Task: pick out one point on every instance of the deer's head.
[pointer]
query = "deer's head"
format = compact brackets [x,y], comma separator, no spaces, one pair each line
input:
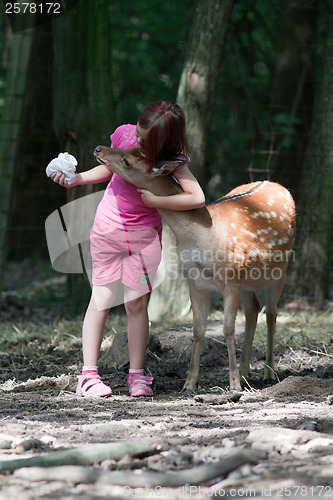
[130,164]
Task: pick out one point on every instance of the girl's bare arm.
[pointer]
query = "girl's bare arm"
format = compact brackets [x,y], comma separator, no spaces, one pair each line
[191,197]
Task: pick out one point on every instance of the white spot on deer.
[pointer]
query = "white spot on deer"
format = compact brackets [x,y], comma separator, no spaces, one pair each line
[282,241]
[234,239]
[254,253]
[273,214]
[246,231]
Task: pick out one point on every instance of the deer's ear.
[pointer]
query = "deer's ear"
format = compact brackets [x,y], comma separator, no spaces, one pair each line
[166,168]
[169,164]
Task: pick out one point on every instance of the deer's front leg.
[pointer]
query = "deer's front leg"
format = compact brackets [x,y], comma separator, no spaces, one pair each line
[200,300]
[231,303]
[272,296]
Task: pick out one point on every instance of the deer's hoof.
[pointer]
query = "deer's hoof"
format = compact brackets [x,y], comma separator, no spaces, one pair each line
[188,391]
[269,377]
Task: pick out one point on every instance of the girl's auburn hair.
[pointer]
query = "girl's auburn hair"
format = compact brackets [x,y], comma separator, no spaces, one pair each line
[166,127]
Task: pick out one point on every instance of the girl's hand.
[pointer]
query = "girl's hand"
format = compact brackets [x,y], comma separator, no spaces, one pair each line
[148,198]
[60,178]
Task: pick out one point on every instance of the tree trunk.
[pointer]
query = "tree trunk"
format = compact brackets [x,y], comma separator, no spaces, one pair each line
[197,88]
[292,101]
[171,299]
[315,209]
[82,96]
[10,128]
[34,196]
[83,102]
[196,94]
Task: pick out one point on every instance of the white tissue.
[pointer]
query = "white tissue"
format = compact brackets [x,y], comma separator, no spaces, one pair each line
[64,163]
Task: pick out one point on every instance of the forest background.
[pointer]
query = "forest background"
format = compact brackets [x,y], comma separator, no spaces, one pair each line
[255,81]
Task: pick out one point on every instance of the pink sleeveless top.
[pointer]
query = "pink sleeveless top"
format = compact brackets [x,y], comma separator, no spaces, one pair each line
[122,205]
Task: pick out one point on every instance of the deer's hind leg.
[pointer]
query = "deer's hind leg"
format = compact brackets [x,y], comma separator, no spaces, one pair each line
[251,308]
[273,293]
[200,300]
[231,303]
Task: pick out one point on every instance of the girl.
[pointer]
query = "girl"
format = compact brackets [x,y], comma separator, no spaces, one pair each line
[123,211]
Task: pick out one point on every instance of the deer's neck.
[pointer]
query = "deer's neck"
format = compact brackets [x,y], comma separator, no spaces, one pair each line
[183,223]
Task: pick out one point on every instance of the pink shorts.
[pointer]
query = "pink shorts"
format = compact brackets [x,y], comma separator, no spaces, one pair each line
[131,254]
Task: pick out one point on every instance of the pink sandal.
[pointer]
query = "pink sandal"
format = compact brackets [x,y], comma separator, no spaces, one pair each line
[138,384]
[92,387]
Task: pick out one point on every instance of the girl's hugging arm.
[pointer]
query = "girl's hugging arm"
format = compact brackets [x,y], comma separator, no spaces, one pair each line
[191,197]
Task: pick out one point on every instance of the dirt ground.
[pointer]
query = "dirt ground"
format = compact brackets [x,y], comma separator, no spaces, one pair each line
[269,441]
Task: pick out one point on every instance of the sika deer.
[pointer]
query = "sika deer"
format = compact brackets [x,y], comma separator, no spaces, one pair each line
[236,245]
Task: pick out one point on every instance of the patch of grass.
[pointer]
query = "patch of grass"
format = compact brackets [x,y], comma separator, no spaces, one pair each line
[60,334]
[28,349]
[34,281]
[51,292]
[308,329]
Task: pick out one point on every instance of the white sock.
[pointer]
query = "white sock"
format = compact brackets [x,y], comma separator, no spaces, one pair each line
[136,371]
[90,369]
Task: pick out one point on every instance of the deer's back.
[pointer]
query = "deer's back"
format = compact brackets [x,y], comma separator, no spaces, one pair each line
[253,229]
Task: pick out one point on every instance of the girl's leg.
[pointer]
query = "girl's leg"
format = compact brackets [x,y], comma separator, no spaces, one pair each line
[138,333]
[138,327]
[98,309]
[89,383]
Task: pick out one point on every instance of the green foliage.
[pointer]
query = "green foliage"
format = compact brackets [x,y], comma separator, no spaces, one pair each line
[286,126]
[241,123]
[148,44]
[2,91]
